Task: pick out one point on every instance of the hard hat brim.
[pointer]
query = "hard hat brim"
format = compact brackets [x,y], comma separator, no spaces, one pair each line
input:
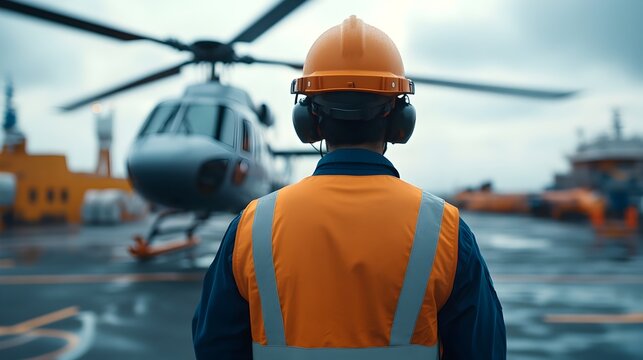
[372,82]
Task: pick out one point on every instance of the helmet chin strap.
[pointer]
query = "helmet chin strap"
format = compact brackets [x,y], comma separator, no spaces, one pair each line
[321,147]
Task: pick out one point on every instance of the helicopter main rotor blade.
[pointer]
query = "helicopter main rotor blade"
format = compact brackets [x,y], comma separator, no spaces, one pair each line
[495,89]
[81,24]
[253,60]
[269,19]
[174,70]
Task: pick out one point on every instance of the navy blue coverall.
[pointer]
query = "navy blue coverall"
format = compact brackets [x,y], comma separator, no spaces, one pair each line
[470,324]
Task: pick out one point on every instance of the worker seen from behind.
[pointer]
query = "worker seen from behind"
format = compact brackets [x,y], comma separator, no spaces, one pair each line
[351,262]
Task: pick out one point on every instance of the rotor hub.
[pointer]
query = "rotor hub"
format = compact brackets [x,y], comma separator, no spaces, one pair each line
[212,51]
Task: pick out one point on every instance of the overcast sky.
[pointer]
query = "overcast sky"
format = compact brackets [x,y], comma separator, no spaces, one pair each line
[461,138]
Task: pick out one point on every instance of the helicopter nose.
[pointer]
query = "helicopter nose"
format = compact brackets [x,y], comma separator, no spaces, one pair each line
[211,175]
[178,172]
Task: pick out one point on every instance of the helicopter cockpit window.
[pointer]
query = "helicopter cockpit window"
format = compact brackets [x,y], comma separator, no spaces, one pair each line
[159,119]
[217,122]
[200,119]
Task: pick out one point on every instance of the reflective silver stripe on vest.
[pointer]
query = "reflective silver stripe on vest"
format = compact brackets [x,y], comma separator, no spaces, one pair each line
[418,269]
[405,352]
[265,269]
[416,279]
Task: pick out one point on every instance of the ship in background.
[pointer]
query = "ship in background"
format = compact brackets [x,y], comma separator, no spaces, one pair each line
[608,164]
[605,182]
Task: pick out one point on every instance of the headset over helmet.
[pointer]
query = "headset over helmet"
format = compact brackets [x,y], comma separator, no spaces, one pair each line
[361,62]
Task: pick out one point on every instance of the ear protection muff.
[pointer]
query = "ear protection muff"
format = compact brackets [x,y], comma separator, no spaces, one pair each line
[401,121]
[305,122]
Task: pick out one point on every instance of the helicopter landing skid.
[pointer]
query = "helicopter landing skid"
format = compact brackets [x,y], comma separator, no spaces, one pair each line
[143,249]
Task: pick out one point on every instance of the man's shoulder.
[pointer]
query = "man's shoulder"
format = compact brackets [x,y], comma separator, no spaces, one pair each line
[450,210]
[467,245]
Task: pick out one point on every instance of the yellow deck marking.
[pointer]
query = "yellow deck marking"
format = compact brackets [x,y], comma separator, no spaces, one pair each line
[71,339]
[569,278]
[633,318]
[7,263]
[30,330]
[99,278]
[16,341]
[39,321]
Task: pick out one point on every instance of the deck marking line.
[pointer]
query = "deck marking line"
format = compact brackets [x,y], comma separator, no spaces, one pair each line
[39,321]
[85,337]
[632,318]
[71,340]
[100,278]
[75,345]
[7,263]
[17,341]
[569,278]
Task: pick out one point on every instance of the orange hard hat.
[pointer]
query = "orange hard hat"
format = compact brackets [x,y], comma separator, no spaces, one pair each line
[353,56]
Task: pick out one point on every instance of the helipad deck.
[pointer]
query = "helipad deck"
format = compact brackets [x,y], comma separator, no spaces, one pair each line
[74,293]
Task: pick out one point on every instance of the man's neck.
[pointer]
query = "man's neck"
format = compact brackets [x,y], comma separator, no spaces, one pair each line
[375,147]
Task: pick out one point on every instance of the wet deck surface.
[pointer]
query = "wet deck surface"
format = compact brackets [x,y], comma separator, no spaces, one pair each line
[75,292]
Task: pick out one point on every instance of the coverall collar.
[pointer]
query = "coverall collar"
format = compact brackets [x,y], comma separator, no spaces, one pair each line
[355,162]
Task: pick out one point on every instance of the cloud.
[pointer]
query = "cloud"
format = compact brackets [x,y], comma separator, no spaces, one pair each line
[587,30]
[539,38]
[27,54]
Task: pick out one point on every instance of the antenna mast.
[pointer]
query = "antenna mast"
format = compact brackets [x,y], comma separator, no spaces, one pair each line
[10,118]
[104,125]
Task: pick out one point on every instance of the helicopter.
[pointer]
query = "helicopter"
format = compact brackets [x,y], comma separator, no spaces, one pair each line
[205,152]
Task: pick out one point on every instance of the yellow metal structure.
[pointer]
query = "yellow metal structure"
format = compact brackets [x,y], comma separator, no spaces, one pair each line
[46,189]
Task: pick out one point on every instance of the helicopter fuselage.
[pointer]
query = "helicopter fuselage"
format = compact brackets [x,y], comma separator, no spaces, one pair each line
[203,152]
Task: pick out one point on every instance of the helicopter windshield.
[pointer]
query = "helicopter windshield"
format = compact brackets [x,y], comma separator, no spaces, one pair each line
[159,119]
[217,122]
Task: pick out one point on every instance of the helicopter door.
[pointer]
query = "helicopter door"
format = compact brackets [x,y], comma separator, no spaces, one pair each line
[226,127]
[246,137]
[249,169]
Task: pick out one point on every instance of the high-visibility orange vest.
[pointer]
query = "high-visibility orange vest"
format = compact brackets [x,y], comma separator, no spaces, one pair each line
[346,267]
